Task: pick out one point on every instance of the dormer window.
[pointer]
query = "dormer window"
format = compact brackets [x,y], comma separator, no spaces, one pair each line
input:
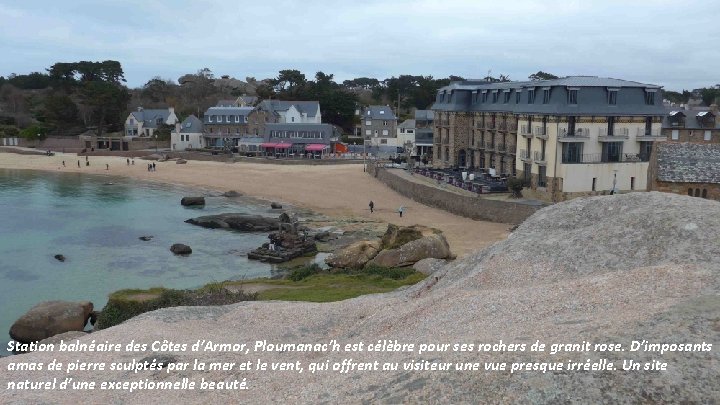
[650,96]
[188,125]
[572,96]
[484,96]
[546,96]
[531,96]
[612,96]
[517,96]
[507,97]
[495,96]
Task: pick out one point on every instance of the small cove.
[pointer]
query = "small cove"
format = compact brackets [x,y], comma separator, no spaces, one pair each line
[96,226]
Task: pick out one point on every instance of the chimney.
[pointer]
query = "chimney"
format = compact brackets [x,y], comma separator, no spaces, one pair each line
[140,108]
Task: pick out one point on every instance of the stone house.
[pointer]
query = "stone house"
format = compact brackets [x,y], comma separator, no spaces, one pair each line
[379,125]
[686,168]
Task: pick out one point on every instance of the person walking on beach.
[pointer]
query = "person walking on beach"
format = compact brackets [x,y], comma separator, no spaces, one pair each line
[133,162]
[107,166]
[78,164]
[400,210]
[63,163]
[372,206]
[128,161]
[153,164]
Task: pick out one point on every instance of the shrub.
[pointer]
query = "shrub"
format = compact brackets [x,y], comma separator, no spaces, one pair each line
[303,272]
[395,273]
[516,185]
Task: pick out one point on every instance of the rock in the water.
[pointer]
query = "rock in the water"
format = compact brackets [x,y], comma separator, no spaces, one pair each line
[59,257]
[287,246]
[232,193]
[181,249]
[50,318]
[189,201]
[431,246]
[238,222]
[146,238]
[275,206]
[429,266]
[181,161]
[354,256]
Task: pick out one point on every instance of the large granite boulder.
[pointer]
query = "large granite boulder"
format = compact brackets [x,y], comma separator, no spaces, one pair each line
[283,247]
[396,236]
[232,193]
[429,266]
[50,318]
[190,201]
[181,249]
[238,222]
[431,246]
[354,256]
[275,205]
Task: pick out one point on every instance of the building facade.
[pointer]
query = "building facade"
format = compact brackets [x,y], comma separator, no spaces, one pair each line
[566,137]
[686,168]
[699,125]
[225,125]
[144,122]
[379,125]
[187,135]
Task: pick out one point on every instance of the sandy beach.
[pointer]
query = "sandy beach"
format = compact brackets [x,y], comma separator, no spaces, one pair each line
[334,190]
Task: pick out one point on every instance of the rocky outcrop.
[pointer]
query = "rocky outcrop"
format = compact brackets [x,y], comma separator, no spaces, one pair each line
[59,257]
[50,318]
[237,222]
[432,246]
[181,162]
[146,238]
[396,236]
[191,201]
[354,256]
[231,193]
[283,246]
[275,205]
[429,266]
[181,249]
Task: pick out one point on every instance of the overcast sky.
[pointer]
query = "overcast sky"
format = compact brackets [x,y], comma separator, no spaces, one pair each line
[670,43]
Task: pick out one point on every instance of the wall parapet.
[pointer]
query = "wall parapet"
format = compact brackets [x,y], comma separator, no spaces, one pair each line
[477,208]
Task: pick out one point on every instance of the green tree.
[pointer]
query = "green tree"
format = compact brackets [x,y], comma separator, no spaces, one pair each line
[60,110]
[710,95]
[107,103]
[540,75]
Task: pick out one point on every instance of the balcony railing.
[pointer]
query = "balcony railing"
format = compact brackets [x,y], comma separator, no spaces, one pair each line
[578,133]
[539,131]
[599,158]
[617,132]
[645,132]
[538,156]
[524,154]
[525,130]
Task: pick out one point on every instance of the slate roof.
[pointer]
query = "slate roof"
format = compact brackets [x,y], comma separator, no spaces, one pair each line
[424,115]
[149,117]
[688,162]
[229,111]
[191,125]
[379,112]
[691,119]
[407,124]
[311,108]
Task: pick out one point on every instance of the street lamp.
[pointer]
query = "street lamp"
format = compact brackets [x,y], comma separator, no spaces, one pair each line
[156,147]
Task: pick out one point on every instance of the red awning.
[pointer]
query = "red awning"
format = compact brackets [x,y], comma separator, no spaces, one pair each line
[283,145]
[268,145]
[313,147]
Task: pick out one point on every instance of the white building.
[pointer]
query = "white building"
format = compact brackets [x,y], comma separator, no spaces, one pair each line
[187,135]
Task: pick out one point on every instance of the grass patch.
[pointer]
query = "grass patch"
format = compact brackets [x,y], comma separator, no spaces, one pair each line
[334,287]
[125,304]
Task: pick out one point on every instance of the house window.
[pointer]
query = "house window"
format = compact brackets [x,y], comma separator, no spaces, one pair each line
[611,126]
[292,119]
[383,141]
[612,97]
[507,97]
[385,123]
[704,193]
[368,122]
[385,132]
[484,97]
[210,118]
[246,119]
[132,121]
[376,132]
[707,136]
[650,97]
[368,132]
[572,96]
[690,192]
[675,135]
[546,96]
[612,151]
[542,180]
[517,97]
[531,96]
[495,97]
[237,118]
[632,183]
[594,183]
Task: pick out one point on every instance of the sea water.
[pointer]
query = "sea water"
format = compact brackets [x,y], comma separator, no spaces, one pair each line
[96,226]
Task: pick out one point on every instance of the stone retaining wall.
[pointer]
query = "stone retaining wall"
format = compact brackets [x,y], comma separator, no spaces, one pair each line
[508,212]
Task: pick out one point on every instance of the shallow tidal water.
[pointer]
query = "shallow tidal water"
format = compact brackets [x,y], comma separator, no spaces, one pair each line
[96,226]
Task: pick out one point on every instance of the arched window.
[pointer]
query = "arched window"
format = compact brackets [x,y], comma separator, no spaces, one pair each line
[704,193]
[697,192]
[690,192]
